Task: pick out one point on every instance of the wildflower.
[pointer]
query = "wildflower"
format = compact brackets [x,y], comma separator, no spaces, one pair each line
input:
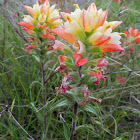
[27,25]
[79,47]
[132,35]
[101,62]
[78,60]
[28,47]
[62,47]
[131,49]
[64,86]
[67,11]
[66,36]
[49,48]
[62,59]
[29,31]
[121,80]
[98,76]
[102,75]
[69,78]
[89,33]
[91,28]
[86,96]
[49,36]
[31,39]
[42,18]
[62,65]
[59,45]
[128,41]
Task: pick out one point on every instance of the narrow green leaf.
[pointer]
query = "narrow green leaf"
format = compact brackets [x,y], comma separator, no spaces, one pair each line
[65,127]
[73,116]
[88,128]
[36,58]
[120,138]
[35,82]
[69,97]
[89,108]
[48,105]
[36,112]
[60,103]
[12,105]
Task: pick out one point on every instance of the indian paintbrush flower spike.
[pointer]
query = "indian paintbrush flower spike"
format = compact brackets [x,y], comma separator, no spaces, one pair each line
[132,35]
[89,33]
[91,28]
[42,18]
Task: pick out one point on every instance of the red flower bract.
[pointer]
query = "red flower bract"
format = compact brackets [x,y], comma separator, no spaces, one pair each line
[78,60]
[98,76]
[120,79]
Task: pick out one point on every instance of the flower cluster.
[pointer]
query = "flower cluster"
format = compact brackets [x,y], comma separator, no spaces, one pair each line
[42,18]
[133,35]
[91,29]
[90,35]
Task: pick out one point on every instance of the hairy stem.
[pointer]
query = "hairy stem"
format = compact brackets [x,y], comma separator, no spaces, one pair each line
[44,94]
[75,107]
[44,87]
[80,75]
[73,122]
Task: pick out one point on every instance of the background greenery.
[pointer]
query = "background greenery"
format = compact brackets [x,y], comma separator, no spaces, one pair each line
[21,99]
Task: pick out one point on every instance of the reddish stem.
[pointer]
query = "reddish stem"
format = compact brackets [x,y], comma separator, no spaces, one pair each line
[74,122]
[44,94]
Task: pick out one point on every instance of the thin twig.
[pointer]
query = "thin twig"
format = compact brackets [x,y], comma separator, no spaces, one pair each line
[130,10]
[124,66]
[20,125]
[120,7]
[131,70]
[121,64]
[120,71]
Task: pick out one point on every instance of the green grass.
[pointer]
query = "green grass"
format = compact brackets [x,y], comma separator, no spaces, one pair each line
[20,81]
